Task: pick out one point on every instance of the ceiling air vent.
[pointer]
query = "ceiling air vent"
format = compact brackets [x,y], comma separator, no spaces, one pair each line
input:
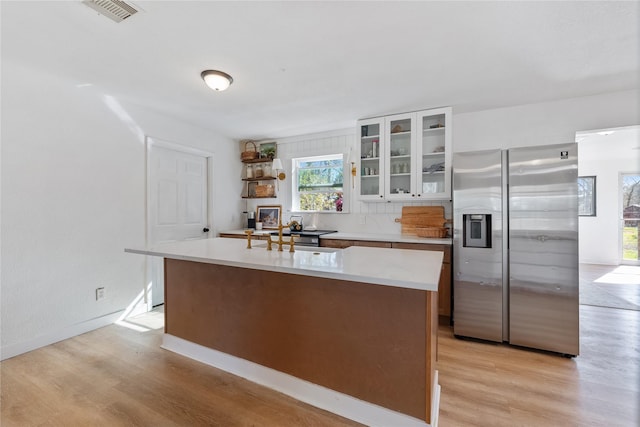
[115,10]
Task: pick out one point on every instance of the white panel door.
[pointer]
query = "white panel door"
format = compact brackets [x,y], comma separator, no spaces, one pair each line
[177,204]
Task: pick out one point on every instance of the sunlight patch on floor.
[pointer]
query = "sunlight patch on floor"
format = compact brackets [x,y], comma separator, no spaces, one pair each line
[136,316]
[144,322]
[623,275]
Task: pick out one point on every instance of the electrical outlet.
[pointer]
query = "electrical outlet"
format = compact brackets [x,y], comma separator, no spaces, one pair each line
[100,294]
[362,219]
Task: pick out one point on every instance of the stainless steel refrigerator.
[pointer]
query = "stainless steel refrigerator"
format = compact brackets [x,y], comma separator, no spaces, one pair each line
[515,218]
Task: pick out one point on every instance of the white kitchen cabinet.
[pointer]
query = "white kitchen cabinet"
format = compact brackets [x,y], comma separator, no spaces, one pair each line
[370,169]
[399,157]
[433,154]
[413,157]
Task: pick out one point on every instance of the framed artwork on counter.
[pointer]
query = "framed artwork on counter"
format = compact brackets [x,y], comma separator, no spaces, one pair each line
[269,216]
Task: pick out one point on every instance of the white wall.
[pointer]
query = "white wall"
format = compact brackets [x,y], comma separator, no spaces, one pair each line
[73,191]
[606,157]
[599,234]
[525,125]
[545,123]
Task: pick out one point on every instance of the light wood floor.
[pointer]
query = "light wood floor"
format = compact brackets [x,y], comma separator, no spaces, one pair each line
[116,376]
[498,385]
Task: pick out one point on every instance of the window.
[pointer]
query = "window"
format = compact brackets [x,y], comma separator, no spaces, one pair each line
[318,183]
[587,196]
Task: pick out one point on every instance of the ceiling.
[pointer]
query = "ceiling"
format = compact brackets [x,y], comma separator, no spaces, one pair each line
[302,67]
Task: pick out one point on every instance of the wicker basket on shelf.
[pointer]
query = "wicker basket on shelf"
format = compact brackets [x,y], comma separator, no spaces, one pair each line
[265,190]
[250,152]
[437,232]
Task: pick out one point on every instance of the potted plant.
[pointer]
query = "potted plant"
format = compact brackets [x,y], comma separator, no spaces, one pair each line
[268,150]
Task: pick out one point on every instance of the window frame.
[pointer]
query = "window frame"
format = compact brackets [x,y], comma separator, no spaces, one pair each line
[590,183]
[295,194]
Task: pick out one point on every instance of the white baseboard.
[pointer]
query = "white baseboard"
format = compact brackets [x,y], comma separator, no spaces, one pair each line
[610,261]
[313,394]
[16,349]
[435,402]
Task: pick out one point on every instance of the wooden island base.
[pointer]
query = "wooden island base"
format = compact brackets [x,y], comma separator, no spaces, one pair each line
[364,351]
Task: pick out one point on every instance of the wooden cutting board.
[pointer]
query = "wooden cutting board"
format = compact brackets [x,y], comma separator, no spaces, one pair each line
[421,216]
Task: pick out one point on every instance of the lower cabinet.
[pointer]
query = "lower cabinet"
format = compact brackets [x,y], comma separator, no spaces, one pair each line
[444,287]
[341,244]
[372,244]
[336,243]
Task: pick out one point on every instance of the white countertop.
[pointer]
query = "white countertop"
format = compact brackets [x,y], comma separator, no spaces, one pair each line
[373,237]
[402,268]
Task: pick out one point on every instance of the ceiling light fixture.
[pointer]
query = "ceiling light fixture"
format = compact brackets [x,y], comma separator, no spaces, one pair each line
[216,80]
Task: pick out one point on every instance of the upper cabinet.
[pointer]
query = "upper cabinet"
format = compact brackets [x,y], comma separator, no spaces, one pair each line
[371,167]
[400,157]
[406,156]
[433,155]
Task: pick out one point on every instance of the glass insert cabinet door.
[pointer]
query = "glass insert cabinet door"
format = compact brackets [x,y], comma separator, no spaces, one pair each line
[371,167]
[400,155]
[431,162]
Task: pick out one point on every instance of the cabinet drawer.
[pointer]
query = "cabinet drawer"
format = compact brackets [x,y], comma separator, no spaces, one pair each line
[372,244]
[335,243]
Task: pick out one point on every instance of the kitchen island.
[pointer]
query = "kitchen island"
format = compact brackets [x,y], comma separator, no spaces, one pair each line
[352,331]
[385,240]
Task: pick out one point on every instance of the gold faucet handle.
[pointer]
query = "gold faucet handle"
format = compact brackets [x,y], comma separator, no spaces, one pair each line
[248,233]
[291,240]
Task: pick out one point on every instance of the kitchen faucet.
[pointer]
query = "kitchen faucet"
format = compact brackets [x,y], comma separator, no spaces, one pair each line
[281,242]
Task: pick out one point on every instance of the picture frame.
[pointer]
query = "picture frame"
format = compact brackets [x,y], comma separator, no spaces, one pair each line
[586,196]
[269,216]
[268,150]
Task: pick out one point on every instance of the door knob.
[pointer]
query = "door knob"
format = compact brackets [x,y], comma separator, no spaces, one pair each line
[205,230]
